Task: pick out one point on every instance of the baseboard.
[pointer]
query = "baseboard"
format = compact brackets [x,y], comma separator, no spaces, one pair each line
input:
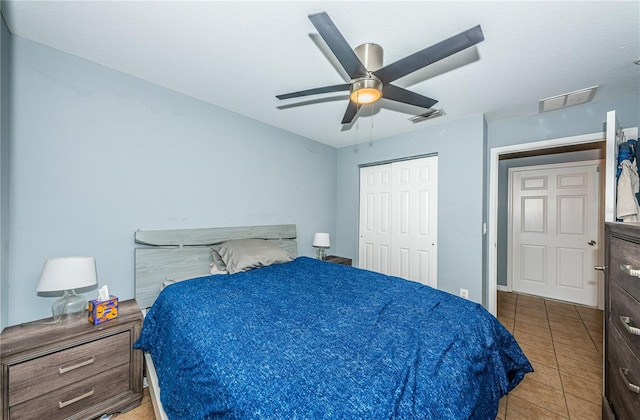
[501,288]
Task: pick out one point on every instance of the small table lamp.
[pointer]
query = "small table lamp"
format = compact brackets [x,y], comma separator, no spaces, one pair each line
[68,273]
[321,241]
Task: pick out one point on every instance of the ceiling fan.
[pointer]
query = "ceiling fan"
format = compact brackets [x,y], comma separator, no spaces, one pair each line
[369,80]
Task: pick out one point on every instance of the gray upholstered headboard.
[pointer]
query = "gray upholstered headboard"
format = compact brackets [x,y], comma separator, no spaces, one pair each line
[185,253]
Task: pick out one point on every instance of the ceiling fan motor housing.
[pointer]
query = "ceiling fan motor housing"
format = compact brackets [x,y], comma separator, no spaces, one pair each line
[370,55]
[367,89]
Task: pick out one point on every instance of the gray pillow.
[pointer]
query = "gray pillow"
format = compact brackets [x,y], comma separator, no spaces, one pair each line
[245,254]
[217,260]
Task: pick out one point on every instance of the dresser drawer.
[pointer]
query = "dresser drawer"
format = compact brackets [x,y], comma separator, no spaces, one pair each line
[607,414]
[623,377]
[72,399]
[625,316]
[44,374]
[625,254]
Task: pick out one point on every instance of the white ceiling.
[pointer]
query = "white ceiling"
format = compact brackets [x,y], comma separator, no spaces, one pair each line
[238,55]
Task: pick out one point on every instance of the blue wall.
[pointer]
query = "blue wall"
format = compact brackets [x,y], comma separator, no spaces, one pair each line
[459,146]
[97,154]
[463,179]
[574,121]
[4,171]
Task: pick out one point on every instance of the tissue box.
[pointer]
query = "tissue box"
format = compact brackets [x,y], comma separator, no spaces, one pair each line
[101,311]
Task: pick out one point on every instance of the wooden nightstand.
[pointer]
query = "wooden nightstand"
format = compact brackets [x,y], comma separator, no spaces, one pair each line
[338,260]
[72,370]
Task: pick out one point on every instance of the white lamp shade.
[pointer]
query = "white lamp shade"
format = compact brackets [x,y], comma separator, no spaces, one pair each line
[321,239]
[67,273]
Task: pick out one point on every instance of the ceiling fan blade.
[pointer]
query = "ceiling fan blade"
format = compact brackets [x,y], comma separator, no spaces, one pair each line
[315,91]
[352,110]
[430,55]
[399,94]
[338,45]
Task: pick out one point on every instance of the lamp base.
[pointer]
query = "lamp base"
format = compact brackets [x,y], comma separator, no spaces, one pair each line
[321,254]
[70,304]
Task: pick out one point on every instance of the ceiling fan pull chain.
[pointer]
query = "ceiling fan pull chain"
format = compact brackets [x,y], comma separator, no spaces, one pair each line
[372,117]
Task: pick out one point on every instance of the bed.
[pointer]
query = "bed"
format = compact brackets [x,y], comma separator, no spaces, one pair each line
[303,338]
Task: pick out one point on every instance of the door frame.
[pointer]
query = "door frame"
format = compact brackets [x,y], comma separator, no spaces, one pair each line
[496,152]
[600,163]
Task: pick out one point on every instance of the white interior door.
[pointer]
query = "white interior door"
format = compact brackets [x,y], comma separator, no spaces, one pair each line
[398,219]
[554,230]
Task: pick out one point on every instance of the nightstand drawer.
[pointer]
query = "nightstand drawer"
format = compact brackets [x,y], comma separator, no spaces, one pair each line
[64,402]
[44,374]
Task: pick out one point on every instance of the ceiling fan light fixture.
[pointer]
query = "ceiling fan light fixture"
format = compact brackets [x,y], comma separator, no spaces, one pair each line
[366,91]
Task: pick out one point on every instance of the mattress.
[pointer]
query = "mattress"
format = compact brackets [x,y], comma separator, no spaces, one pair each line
[311,339]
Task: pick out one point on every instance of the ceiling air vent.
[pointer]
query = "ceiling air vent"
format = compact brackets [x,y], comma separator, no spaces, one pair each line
[434,113]
[565,100]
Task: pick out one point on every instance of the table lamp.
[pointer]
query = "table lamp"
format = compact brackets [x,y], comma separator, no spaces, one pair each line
[68,274]
[321,241]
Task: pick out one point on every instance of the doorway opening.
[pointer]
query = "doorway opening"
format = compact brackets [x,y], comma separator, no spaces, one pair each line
[576,146]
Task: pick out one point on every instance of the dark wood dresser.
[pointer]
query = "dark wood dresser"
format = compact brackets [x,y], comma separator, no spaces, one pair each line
[73,369]
[622,322]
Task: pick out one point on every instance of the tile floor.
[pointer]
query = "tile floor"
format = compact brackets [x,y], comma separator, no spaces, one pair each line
[564,344]
[143,412]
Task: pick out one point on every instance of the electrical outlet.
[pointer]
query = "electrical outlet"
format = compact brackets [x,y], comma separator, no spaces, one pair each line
[464,293]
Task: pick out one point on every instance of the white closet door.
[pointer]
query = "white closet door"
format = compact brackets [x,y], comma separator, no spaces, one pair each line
[398,219]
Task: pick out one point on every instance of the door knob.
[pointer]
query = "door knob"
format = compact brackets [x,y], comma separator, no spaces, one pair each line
[592,242]
[599,267]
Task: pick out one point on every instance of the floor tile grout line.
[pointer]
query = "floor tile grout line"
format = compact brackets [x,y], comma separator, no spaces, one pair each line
[558,369]
[555,354]
[589,333]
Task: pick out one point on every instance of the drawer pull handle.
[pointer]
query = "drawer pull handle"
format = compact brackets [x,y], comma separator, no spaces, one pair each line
[63,404]
[79,365]
[630,386]
[630,271]
[631,330]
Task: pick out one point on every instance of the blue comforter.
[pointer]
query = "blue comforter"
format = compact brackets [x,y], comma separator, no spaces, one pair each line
[310,339]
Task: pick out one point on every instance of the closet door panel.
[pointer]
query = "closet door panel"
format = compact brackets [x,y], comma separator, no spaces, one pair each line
[375,218]
[398,219]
